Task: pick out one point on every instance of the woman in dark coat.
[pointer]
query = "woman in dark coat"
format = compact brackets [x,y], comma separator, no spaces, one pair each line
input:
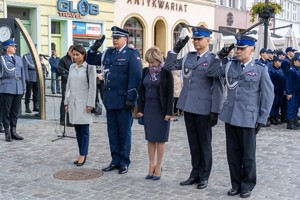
[155,106]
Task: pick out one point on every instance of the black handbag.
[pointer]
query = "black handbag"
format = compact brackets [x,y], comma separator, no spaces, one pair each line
[97,110]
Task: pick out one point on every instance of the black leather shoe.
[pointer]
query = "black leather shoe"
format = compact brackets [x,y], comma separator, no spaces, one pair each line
[245,194]
[233,191]
[189,181]
[110,168]
[15,136]
[202,184]
[123,170]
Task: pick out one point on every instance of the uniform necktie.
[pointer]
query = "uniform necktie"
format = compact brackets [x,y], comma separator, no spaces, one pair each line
[13,59]
[243,66]
[198,57]
[117,52]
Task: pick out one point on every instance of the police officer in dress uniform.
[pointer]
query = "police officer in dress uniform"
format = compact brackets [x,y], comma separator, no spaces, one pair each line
[247,106]
[200,99]
[293,92]
[31,83]
[285,66]
[278,79]
[123,68]
[12,87]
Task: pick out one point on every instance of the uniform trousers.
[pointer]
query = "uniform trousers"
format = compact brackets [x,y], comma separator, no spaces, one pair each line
[119,123]
[34,88]
[276,105]
[292,107]
[241,151]
[83,138]
[199,135]
[10,109]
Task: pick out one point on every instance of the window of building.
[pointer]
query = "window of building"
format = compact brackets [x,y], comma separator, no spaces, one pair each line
[176,32]
[282,14]
[288,11]
[295,12]
[221,2]
[21,13]
[231,3]
[135,29]
[55,27]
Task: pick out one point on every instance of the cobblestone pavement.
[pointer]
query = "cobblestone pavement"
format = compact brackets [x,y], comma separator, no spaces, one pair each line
[27,167]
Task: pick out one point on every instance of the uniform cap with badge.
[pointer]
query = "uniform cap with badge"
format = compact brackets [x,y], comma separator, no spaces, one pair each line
[10,42]
[243,41]
[280,53]
[200,32]
[263,50]
[290,49]
[296,56]
[119,32]
[276,58]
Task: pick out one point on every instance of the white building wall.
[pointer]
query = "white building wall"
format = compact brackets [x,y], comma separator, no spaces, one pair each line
[196,13]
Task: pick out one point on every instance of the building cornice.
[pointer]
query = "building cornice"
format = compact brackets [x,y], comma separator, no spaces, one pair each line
[201,2]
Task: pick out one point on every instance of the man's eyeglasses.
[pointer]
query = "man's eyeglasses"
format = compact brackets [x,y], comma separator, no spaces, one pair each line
[116,37]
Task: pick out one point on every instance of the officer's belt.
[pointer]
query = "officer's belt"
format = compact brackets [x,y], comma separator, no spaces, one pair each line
[31,69]
[17,78]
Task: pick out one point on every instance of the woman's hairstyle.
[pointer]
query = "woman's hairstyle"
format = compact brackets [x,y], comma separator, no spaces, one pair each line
[154,54]
[81,50]
[71,47]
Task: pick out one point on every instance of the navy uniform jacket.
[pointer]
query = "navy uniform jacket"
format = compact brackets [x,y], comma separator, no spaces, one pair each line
[293,81]
[123,76]
[286,64]
[250,101]
[278,79]
[200,94]
[29,68]
[12,75]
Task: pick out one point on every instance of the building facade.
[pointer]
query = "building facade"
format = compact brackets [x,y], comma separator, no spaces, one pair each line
[232,15]
[56,24]
[159,23]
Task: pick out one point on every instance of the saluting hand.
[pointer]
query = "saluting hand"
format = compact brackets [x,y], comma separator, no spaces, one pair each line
[225,51]
[180,44]
[98,43]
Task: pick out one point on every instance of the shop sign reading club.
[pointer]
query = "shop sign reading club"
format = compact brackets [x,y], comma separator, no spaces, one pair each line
[66,9]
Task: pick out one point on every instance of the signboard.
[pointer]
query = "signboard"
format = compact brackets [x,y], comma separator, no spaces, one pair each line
[83,29]
[69,9]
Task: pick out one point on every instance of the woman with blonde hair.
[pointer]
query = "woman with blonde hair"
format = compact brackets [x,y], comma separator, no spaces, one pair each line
[155,105]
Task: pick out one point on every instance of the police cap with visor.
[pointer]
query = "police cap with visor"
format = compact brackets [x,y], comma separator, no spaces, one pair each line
[200,32]
[119,32]
[10,42]
[243,41]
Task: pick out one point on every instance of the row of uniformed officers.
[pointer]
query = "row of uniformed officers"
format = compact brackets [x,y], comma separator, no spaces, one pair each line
[284,70]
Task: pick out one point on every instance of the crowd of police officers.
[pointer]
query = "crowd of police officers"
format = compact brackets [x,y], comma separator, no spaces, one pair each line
[252,86]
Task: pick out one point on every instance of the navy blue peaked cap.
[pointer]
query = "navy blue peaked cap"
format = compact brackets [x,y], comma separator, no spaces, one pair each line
[119,32]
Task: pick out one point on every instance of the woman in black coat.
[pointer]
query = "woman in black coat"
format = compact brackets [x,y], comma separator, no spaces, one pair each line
[155,106]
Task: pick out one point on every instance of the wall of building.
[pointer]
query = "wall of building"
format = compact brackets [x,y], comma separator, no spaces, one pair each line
[166,16]
[43,12]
